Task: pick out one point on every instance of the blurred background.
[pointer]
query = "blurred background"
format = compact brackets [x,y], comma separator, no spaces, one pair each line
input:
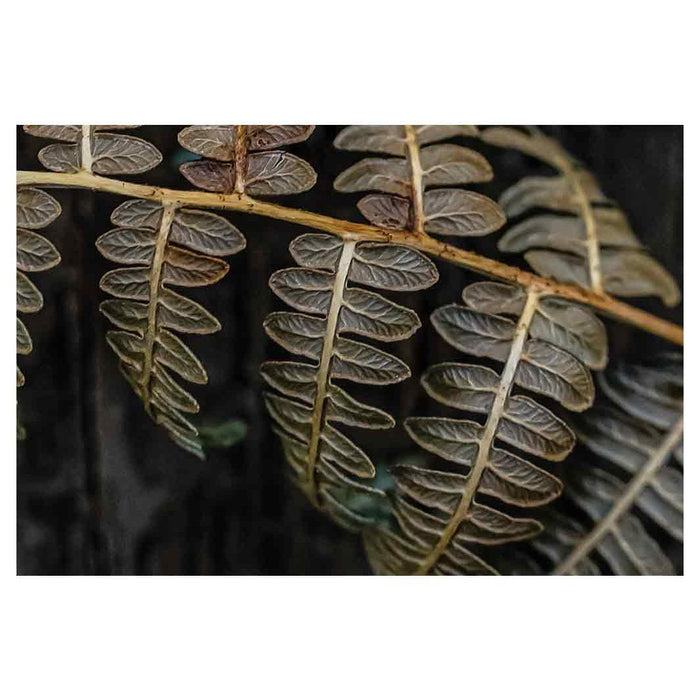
[102,490]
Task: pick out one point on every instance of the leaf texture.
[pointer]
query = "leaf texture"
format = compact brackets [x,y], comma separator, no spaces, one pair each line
[587,240]
[634,477]
[35,210]
[307,403]
[91,148]
[240,159]
[549,351]
[406,202]
[164,246]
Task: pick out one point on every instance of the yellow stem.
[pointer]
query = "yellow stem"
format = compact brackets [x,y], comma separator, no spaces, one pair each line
[155,286]
[324,366]
[364,232]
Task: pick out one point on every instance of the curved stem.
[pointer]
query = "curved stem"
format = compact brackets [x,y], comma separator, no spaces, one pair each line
[489,431]
[595,274]
[364,232]
[625,502]
[151,326]
[341,276]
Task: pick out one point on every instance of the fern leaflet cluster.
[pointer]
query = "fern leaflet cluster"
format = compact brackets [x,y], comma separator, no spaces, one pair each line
[165,246]
[245,159]
[636,439]
[310,402]
[547,350]
[35,210]
[584,239]
[417,187]
[95,149]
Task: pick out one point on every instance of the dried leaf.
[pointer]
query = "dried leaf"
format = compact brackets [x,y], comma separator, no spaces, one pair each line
[185,269]
[127,245]
[366,364]
[380,174]
[297,333]
[447,164]
[319,250]
[449,438]
[70,133]
[127,283]
[24,341]
[546,369]
[386,210]
[392,267]
[35,208]
[515,480]
[205,232]
[217,142]
[262,137]
[34,252]
[173,353]
[454,212]
[494,298]
[138,213]
[127,315]
[60,157]
[374,139]
[184,315]
[29,299]
[489,526]
[277,172]
[371,315]
[573,328]
[117,154]
[210,175]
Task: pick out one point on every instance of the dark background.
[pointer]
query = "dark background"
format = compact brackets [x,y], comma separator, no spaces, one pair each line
[101,490]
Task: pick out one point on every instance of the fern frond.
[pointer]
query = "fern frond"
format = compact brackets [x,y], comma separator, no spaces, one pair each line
[586,240]
[242,159]
[408,203]
[35,210]
[165,246]
[309,404]
[548,351]
[639,436]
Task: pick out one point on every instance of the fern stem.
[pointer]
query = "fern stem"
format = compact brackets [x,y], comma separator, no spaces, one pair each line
[625,502]
[240,158]
[322,376]
[416,179]
[595,274]
[349,230]
[489,431]
[151,327]
[86,148]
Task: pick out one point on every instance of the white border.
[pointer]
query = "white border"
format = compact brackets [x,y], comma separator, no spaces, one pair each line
[439,62]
